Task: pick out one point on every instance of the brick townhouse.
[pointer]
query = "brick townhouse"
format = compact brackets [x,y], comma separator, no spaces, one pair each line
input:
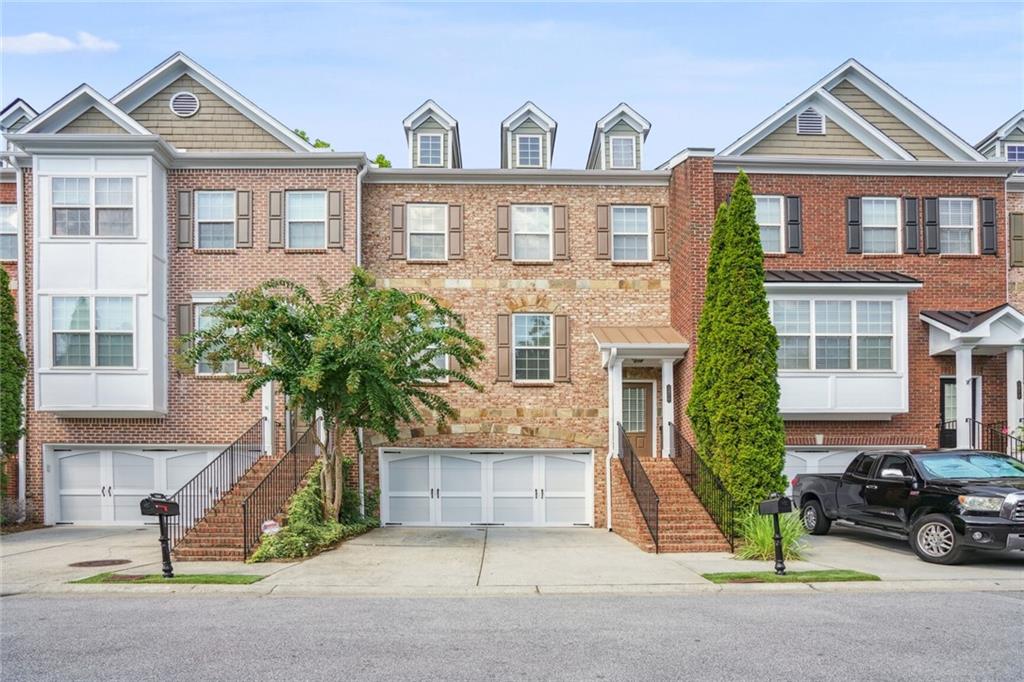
[887,251]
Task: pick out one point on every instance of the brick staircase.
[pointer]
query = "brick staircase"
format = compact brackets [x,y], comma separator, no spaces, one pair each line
[218,536]
[683,523]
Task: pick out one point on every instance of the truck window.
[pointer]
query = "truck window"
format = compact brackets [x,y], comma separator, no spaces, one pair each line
[863,466]
[895,462]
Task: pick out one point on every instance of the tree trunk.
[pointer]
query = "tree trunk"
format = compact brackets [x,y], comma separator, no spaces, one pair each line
[330,473]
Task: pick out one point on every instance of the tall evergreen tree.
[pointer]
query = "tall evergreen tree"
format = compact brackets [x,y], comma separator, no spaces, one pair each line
[13,367]
[736,378]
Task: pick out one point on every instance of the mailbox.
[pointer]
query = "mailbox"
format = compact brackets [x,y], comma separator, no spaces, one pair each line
[775,505]
[158,505]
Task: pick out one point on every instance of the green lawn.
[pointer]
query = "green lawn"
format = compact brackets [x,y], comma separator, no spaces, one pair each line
[193,579]
[831,576]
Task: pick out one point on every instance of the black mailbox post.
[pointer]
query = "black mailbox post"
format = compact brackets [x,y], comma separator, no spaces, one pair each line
[158,505]
[777,504]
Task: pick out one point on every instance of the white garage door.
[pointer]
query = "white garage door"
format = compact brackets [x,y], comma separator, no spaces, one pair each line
[465,487]
[104,486]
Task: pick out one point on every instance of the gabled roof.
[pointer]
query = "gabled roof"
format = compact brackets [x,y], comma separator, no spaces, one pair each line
[529,111]
[967,320]
[885,95]
[74,104]
[620,112]
[14,112]
[180,64]
[1015,121]
[431,109]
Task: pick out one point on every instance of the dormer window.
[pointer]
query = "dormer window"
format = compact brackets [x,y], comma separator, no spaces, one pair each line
[623,151]
[430,149]
[528,154]
[810,122]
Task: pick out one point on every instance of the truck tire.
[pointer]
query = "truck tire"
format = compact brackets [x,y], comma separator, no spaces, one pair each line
[814,519]
[934,539]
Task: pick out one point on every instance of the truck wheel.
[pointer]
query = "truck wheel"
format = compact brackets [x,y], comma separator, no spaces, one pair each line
[934,540]
[814,518]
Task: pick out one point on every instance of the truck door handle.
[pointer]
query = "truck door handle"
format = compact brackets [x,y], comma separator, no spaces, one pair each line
[871,486]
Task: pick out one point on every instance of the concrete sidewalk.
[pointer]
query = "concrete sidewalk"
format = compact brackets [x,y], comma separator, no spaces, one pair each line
[484,562]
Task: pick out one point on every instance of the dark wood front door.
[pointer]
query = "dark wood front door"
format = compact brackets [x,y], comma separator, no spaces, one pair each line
[637,400]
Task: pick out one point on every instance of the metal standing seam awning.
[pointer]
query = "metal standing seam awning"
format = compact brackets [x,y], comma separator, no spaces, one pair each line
[648,343]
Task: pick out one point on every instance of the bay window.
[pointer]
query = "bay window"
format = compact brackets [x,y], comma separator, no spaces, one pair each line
[532,348]
[956,225]
[93,331]
[531,233]
[834,334]
[631,233]
[306,214]
[101,207]
[427,228]
[769,220]
[880,224]
[215,220]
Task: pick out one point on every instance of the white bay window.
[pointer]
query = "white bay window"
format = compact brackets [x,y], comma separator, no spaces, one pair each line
[840,334]
[93,331]
[93,207]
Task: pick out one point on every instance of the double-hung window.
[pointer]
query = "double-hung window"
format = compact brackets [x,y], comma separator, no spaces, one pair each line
[429,149]
[880,220]
[631,233]
[623,151]
[8,232]
[531,233]
[101,207]
[834,334]
[427,228]
[205,319]
[532,350]
[93,331]
[528,151]
[306,213]
[215,220]
[1015,152]
[956,225]
[769,219]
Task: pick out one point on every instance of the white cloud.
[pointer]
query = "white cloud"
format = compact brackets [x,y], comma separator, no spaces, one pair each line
[48,43]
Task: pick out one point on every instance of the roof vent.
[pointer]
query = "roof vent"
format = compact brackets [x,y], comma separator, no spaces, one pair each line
[810,122]
[184,104]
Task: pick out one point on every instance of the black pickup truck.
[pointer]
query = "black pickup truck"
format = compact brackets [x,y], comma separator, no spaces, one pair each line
[945,502]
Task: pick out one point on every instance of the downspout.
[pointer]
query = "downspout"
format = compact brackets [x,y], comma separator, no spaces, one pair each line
[359,262]
[611,440]
[22,326]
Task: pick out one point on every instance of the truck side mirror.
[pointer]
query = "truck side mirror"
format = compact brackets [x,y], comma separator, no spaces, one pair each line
[895,473]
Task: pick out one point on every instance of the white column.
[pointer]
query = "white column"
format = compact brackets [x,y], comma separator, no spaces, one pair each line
[1014,376]
[615,400]
[267,405]
[666,407]
[964,396]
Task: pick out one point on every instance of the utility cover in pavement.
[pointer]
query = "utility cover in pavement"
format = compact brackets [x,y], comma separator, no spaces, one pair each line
[100,562]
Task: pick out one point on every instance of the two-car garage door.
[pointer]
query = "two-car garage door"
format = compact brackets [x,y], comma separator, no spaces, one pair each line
[470,487]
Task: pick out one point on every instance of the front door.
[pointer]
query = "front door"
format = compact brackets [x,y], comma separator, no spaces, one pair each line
[637,400]
[947,411]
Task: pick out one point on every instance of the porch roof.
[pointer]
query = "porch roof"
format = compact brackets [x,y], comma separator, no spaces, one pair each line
[963,320]
[641,341]
[987,331]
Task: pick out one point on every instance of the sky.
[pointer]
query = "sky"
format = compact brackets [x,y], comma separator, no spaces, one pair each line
[702,73]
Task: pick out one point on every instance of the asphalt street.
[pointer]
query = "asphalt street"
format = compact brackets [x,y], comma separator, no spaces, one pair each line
[905,636]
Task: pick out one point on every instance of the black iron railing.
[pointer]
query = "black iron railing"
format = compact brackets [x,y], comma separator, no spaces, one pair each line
[708,488]
[995,437]
[643,489]
[269,497]
[206,488]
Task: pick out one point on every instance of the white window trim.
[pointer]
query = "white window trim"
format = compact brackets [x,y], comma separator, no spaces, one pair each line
[13,233]
[974,225]
[899,227]
[92,333]
[611,151]
[782,221]
[551,349]
[419,149]
[898,334]
[551,234]
[288,221]
[1006,150]
[93,206]
[540,150]
[201,302]
[409,233]
[234,220]
[650,234]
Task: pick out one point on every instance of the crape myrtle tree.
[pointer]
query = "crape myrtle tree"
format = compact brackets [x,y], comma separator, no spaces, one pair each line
[734,404]
[13,367]
[359,357]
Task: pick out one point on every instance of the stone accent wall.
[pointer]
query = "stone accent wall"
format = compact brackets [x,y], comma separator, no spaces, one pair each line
[1015,275]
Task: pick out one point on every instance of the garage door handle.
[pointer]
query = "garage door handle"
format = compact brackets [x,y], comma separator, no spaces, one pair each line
[535,493]
[542,493]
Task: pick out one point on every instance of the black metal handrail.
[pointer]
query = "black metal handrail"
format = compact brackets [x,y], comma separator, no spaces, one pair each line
[269,497]
[995,437]
[206,488]
[643,490]
[708,488]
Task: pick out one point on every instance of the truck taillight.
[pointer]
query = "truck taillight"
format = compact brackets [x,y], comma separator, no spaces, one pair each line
[796,479]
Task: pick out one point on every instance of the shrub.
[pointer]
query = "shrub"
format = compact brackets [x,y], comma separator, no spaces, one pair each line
[757,536]
[305,532]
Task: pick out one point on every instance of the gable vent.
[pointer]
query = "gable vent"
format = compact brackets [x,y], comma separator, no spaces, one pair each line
[184,104]
[810,122]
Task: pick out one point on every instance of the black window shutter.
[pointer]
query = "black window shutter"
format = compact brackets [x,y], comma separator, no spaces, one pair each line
[911,227]
[931,225]
[794,226]
[988,226]
[854,232]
